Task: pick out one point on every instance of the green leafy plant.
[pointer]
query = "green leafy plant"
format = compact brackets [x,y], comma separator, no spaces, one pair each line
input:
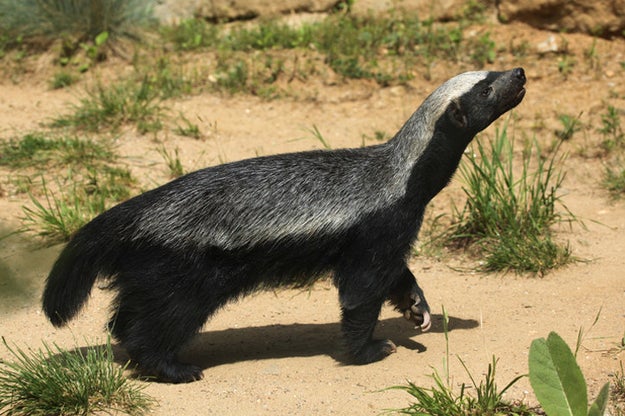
[54,381]
[93,50]
[558,381]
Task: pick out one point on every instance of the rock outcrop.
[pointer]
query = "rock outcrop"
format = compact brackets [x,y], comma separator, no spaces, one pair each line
[598,17]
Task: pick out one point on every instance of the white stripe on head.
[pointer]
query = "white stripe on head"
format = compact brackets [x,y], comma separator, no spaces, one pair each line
[451,90]
[414,137]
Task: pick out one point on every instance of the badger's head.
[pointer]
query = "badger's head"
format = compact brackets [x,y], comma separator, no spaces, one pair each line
[433,140]
[472,101]
[459,109]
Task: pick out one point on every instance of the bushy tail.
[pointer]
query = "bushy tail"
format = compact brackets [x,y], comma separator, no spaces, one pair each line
[90,253]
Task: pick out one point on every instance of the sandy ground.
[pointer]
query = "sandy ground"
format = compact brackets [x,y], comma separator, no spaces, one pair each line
[280,353]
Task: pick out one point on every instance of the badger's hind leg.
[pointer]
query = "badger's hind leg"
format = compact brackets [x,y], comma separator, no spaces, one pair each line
[153,332]
[158,310]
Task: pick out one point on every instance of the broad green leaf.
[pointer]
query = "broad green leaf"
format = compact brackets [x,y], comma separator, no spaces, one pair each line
[556,378]
[101,38]
[601,402]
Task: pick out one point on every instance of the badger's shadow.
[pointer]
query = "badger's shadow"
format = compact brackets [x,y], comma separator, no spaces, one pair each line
[213,348]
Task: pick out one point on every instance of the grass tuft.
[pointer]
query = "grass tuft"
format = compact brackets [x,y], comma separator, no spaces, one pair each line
[174,164]
[108,108]
[510,210]
[611,130]
[79,19]
[58,215]
[53,381]
[37,149]
[89,181]
[188,128]
[570,125]
[441,400]
[618,390]
[62,79]
[614,179]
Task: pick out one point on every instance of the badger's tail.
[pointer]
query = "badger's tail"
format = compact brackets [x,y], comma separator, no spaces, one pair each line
[91,252]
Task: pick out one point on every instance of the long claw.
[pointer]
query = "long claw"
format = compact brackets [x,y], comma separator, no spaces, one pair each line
[427,322]
[418,314]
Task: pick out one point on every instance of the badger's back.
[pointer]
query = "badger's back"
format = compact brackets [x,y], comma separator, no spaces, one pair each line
[286,214]
[257,201]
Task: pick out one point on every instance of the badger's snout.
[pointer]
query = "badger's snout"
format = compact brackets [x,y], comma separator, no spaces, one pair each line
[519,74]
[513,89]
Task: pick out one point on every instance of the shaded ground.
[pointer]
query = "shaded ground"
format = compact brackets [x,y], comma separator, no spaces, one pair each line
[280,353]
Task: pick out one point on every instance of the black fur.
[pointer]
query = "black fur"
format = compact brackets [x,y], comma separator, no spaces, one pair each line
[179,252]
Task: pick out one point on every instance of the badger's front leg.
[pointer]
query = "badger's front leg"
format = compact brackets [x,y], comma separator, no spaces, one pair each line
[357,324]
[408,298]
[362,292]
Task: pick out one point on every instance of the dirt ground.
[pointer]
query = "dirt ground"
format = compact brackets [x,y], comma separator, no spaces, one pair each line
[280,353]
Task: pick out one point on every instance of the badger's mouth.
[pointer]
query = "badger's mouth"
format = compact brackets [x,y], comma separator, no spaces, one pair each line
[519,97]
[515,97]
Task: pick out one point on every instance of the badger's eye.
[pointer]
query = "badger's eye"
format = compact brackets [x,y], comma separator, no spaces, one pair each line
[486,92]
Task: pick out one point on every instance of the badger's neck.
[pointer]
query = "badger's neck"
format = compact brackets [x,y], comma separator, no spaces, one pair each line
[427,151]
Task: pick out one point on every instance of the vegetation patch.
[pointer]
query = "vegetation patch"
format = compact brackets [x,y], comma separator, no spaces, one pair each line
[614,179]
[88,180]
[54,381]
[73,21]
[107,108]
[510,210]
[442,400]
[39,150]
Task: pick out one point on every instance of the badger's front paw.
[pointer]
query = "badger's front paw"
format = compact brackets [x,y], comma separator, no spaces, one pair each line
[419,312]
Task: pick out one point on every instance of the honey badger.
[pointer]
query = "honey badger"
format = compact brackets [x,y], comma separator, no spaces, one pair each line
[177,253]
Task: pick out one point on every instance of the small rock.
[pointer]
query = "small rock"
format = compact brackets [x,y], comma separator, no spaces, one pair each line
[550,45]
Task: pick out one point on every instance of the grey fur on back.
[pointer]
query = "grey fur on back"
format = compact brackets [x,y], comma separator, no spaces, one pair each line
[294,195]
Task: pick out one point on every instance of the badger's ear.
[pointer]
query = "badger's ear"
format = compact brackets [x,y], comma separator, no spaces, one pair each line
[457,115]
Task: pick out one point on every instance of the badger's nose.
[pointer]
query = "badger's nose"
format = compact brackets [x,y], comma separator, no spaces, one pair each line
[519,74]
